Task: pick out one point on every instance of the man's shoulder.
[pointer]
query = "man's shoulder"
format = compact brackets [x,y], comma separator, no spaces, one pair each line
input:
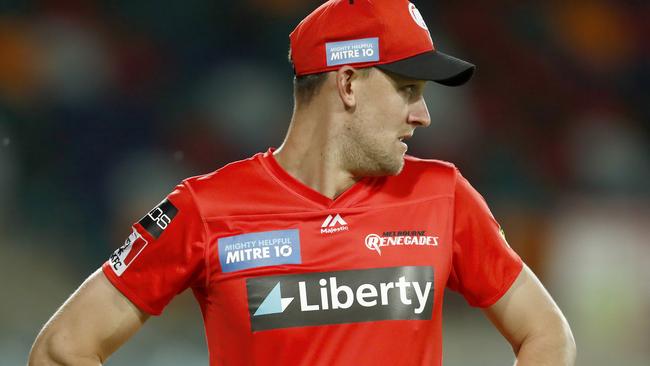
[231,177]
[228,188]
[428,163]
[422,178]
[428,168]
[231,170]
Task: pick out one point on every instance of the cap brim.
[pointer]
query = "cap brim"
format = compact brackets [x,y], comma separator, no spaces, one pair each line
[435,66]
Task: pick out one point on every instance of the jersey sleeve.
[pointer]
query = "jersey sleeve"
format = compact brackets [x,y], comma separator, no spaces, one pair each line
[163,255]
[483,264]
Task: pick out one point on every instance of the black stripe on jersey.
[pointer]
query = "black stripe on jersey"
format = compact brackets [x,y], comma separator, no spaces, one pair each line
[158,219]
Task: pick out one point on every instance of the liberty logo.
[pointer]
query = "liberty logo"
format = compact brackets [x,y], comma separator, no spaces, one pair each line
[274,302]
[333,224]
[389,293]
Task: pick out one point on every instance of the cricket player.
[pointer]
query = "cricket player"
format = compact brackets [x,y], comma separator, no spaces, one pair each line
[336,247]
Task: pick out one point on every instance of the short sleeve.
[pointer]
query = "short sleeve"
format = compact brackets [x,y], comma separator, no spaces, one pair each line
[483,264]
[163,255]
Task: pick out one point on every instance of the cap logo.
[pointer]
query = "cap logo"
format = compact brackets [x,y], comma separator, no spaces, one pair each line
[417,17]
[353,51]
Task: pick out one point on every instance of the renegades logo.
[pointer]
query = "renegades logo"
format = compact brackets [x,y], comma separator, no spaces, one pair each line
[375,242]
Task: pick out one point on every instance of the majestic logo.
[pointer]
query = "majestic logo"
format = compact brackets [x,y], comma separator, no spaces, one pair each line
[417,17]
[333,224]
[158,219]
[126,254]
[375,242]
[392,293]
[264,248]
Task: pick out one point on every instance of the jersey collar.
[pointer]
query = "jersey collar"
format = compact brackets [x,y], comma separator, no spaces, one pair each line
[352,195]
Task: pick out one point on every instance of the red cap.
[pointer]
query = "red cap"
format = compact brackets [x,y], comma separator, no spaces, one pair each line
[390,34]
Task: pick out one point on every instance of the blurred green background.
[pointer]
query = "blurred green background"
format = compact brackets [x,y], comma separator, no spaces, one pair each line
[106,105]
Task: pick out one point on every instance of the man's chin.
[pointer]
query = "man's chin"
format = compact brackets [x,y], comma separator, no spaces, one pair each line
[398,168]
[379,166]
[392,168]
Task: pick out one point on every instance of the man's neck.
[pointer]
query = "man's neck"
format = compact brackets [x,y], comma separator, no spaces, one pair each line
[311,154]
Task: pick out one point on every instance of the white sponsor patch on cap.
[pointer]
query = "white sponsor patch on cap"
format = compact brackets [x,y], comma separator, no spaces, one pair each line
[417,17]
[353,51]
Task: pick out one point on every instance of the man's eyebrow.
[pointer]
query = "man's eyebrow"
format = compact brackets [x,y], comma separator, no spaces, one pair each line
[405,80]
[397,78]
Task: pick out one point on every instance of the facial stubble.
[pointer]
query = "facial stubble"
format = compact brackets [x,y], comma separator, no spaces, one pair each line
[364,153]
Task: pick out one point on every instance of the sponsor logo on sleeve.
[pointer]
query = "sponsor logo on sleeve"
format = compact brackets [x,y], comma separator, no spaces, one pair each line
[266,248]
[353,51]
[375,242]
[127,253]
[158,219]
[307,299]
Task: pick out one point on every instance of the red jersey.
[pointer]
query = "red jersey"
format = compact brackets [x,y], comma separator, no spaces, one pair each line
[287,276]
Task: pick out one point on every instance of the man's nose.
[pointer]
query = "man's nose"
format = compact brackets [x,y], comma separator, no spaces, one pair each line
[419,114]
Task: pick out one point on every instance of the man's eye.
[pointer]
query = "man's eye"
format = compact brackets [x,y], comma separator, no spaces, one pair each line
[410,89]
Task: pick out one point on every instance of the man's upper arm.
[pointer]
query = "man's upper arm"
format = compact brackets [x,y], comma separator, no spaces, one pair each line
[527,310]
[95,321]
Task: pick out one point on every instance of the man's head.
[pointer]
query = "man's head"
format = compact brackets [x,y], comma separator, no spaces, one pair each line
[371,112]
[370,59]
[389,34]
[384,109]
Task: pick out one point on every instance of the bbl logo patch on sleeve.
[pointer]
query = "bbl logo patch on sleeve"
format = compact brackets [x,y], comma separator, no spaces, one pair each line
[124,255]
[157,220]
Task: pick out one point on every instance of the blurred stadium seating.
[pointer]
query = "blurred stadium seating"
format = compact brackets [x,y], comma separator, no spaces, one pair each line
[105,106]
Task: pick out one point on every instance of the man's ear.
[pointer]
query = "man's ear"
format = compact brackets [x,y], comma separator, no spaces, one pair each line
[344,78]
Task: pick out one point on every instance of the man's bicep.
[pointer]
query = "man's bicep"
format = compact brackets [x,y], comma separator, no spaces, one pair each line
[94,322]
[524,310]
[116,317]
